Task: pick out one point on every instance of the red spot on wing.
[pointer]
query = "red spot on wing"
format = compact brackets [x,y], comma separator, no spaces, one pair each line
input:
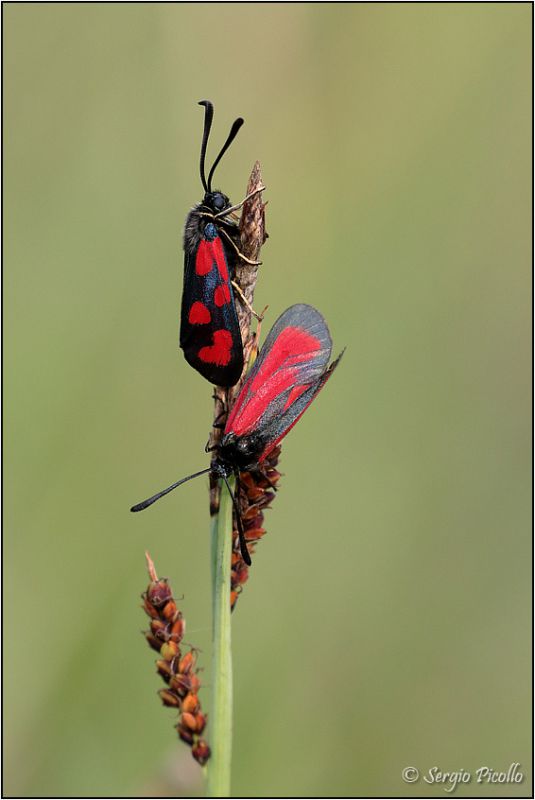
[208,254]
[204,260]
[220,351]
[278,372]
[220,260]
[222,295]
[199,314]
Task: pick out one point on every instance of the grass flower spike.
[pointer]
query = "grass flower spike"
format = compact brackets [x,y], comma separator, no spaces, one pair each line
[175,667]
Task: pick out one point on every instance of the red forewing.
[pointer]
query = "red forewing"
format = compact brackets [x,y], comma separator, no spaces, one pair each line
[290,370]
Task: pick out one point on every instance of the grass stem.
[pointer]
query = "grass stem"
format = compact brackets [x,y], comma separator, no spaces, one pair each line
[221,711]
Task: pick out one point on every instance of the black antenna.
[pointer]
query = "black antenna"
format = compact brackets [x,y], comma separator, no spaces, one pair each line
[151,500]
[236,125]
[243,544]
[208,117]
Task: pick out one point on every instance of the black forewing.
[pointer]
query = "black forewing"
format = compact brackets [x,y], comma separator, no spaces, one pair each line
[198,340]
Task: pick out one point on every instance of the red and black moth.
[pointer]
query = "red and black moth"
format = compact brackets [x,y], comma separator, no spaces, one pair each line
[209,328]
[291,368]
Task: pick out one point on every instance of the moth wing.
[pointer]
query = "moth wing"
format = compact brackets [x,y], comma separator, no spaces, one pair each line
[280,425]
[209,328]
[291,362]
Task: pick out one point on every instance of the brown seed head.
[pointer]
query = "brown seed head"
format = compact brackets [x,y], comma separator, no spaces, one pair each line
[169,650]
[187,720]
[169,698]
[190,703]
[159,593]
[201,752]
[167,628]
[187,663]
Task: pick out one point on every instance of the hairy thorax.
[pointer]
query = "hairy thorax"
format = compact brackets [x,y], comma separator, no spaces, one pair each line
[202,221]
[240,452]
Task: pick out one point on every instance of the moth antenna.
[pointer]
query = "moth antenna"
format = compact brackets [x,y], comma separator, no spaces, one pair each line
[236,125]
[243,544]
[151,500]
[208,117]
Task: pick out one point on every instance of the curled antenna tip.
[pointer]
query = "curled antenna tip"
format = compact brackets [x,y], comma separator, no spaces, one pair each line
[236,125]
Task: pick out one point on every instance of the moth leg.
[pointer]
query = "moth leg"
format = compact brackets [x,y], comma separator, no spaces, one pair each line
[248,260]
[239,205]
[241,533]
[216,396]
[240,254]
[223,407]
[247,304]
[217,423]
[252,346]
[243,541]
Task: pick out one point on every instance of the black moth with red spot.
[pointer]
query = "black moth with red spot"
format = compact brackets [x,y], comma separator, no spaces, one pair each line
[209,329]
[291,368]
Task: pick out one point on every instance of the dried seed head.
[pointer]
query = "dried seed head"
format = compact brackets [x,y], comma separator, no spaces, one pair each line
[257,493]
[158,628]
[164,669]
[169,650]
[190,703]
[169,698]
[149,608]
[178,628]
[179,684]
[153,641]
[201,752]
[169,611]
[159,593]
[200,721]
[193,682]
[188,721]
[187,663]
[167,628]
[186,735]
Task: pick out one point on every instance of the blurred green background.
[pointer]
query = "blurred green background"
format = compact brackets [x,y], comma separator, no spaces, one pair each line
[386,620]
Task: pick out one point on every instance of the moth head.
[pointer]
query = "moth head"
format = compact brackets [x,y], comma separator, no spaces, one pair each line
[216,201]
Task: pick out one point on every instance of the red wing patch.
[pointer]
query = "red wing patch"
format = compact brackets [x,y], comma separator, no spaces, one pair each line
[283,423]
[220,351]
[295,392]
[222,295]
[199,314]
[278,372]
[290,368]
[208,254]
[220,260]
[205,258]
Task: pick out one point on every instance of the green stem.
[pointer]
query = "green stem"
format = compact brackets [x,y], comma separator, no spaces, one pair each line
[221,713]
